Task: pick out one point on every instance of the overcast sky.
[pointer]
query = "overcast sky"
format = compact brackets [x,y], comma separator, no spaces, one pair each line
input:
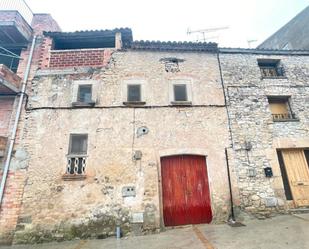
[169,20]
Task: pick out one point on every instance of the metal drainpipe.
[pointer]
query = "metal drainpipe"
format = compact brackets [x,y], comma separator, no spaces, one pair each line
[18,112]
[232,215]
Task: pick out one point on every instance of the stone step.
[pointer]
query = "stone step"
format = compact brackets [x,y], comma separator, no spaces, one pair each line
[304,210]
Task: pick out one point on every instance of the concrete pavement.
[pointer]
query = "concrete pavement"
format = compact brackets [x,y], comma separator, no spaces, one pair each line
[285,231]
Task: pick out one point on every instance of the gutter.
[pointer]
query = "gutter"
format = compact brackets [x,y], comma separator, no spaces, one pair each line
[14,131]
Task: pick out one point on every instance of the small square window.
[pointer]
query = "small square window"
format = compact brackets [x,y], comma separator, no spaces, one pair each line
[84,93]
[180,92]
[78,144]
[271,68]
[134,93]
[280,108]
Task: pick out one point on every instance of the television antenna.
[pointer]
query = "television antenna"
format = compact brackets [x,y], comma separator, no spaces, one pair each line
[250,41]
[204,31]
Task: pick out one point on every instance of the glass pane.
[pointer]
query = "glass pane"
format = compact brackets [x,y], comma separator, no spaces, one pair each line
[84,93]
[180,92]
[78,144]
[134,93]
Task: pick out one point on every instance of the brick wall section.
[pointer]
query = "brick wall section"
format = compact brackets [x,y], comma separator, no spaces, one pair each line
[6,108]
[11,204]
[44,22]
[47,44]
[77,58]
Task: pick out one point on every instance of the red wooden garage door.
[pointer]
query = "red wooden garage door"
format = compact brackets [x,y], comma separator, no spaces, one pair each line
[185,189]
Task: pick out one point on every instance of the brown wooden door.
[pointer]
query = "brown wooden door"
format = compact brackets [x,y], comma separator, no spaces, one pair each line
[298,175]
[185,189]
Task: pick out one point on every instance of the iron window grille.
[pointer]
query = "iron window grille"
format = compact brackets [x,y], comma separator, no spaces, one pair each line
[76,158]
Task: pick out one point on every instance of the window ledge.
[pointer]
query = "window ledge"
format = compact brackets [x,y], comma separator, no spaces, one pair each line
[69,177]
[76,155]
[83,104]
[134,103]
[181,103]
[273,77]
[286,120]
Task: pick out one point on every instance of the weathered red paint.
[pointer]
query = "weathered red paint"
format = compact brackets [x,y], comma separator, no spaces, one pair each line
[185,188]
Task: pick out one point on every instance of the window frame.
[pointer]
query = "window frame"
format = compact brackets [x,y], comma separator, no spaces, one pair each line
[71,144]
[187,83]
[185,93]
[271,64]
[284,99]
[79,96]
[75,93]
[128,93]
[125,92]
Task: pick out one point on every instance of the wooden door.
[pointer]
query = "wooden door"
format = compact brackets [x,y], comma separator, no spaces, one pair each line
[185,189]
[298,175]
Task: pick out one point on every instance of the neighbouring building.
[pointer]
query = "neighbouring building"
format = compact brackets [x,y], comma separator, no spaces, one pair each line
[267,93]
[292,36]
[145,135]
[18,26]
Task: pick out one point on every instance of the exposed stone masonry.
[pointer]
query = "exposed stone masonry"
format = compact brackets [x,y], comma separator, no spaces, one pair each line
[252,124]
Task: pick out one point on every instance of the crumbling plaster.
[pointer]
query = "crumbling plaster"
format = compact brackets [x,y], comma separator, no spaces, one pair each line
[56,205]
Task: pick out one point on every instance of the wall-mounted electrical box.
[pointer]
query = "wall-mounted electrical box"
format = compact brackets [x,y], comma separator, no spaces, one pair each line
[268,172]
[137,155]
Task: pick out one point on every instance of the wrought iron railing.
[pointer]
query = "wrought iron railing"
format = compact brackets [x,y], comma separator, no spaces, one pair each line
[20,6]
[272,72]
[76,164]
[283,116]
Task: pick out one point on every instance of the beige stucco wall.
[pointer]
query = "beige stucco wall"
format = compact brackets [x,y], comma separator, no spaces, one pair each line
[91,207]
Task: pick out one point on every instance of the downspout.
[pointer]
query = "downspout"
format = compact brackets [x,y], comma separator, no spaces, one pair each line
[14,131]
[232,216]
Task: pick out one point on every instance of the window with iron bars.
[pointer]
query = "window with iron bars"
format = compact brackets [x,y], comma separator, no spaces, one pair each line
[76,158]
[280,108]
[271,68]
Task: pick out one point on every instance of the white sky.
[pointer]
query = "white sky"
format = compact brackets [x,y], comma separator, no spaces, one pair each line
[169,20]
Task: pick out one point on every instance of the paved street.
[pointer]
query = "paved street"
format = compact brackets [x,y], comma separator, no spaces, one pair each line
[286,231]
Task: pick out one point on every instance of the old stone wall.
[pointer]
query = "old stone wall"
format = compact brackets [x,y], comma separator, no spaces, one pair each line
[252,125]
[57,209]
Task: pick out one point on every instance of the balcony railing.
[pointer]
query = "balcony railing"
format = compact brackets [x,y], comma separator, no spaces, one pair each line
[272,72]
[283,117]
[20,6]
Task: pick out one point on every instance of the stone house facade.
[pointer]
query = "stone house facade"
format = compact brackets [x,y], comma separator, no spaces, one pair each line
[267,100]
[145,135]
[117,178]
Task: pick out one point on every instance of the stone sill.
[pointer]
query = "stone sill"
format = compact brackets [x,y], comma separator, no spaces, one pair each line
[83,104]
[286,120]
[134,103]
[181,103]
[274,78]
[69,177]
